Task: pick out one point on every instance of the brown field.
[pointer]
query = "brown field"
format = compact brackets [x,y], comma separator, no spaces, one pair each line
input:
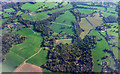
[96,21]
[85,25]
[64,41]
[27,67]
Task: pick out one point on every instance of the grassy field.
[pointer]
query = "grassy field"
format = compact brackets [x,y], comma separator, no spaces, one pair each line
[64,41]
[66,18]
[85,26]
[113,41]
[108,14]
[35,16]
[6,15]
[96,20]
[26,49]
[36,6]
[56,10]
[32,44]
[98,52]
[9,10]
[57,28]
[12,61]
[99,8]
[19,12]
[4,20]
[85,11]
[39,59]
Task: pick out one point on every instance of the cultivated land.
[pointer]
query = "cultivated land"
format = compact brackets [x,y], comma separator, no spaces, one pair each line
[86,26]
[31,53]
[96,20]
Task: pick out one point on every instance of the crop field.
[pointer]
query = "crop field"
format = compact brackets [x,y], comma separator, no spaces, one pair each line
[85,26]
[9,10]
[96,20]
[36,6]
[37,16]
[64,41]
[66,18]
[98,52]
[57,28]
[99,8]
[85,11]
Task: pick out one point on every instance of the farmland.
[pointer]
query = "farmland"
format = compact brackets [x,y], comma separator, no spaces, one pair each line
[59,36]
[83,25]
[96,20]
[9,10]
[35,16]
[85,11]
[64,21]
[99,8]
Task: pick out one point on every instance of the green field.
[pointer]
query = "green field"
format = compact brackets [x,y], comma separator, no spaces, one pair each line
[113,41]
[99,8]
[108,14]
[35,16]
[18,53]
[56,27]
[36,6]
[39,59]
[66,18]
[4,20]
[6,15]
[9,10]
[19,12]
[98,52]
[85,11]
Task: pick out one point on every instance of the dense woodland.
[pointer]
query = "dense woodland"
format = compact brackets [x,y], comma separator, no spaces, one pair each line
[74,57]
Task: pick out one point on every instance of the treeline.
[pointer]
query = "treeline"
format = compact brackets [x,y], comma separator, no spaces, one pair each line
[74,57]
[8,40]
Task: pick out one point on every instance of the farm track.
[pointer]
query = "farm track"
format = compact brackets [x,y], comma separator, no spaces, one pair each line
[32,55]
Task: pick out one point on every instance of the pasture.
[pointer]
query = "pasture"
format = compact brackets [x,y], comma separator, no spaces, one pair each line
[35,16]
[36,6]
[86,26]
[6,15]
[98,8]
[58,28]
[98,52]
[66,18]
[85,11]
[9,10]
